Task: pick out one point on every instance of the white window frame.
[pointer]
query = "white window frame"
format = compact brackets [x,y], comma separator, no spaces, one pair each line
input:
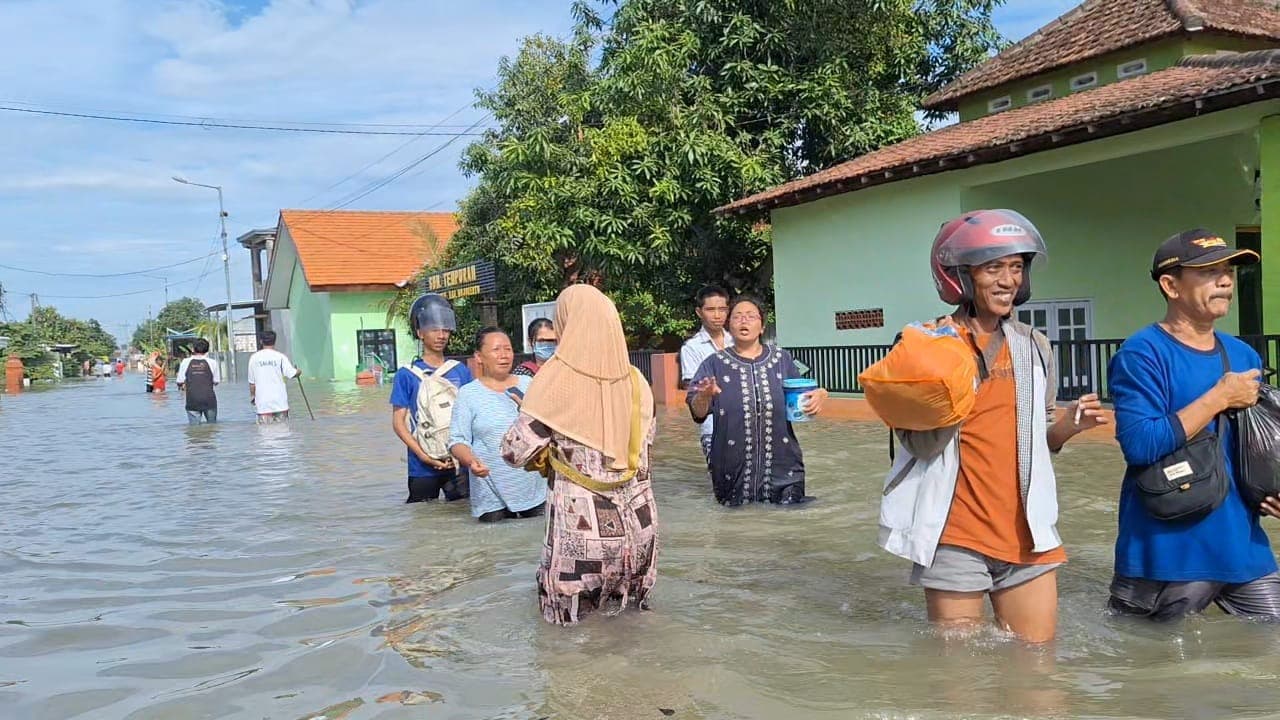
[1071,376]
[1000,104]
[1139,67]
[1090,80]
[1046,89]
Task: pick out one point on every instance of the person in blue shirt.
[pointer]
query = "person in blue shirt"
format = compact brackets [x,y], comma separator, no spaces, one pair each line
[433,322]
[1169,383]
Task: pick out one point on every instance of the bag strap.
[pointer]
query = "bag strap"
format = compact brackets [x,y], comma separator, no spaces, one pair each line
[444,368]
[635,444]
[1226,368]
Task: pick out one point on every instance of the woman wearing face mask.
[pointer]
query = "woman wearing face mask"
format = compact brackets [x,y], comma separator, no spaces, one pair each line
[542,335]
[755,456]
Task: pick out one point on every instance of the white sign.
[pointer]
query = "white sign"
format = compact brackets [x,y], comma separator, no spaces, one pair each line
[531,312]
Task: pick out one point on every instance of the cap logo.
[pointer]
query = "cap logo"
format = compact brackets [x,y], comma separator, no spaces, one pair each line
[1008,230]
[1209,242]
[1168,261]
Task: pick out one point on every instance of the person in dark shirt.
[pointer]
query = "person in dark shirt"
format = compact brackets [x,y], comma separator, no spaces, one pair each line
[197,376]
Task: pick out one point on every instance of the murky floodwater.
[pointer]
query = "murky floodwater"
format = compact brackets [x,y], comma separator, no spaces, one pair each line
[156,571]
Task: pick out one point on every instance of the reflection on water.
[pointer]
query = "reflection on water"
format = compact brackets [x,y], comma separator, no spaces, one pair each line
[157,570]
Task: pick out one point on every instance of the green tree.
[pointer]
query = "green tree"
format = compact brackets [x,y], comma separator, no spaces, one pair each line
[46,327]
[613,147]
[181,315]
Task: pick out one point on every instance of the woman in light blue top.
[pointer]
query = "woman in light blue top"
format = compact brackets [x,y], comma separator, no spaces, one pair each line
[484,411]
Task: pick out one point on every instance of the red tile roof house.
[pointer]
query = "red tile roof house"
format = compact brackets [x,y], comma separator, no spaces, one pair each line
[331,276]
[1111,128]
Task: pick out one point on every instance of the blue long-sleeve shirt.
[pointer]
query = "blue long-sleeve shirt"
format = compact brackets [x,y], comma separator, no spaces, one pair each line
[1152,377]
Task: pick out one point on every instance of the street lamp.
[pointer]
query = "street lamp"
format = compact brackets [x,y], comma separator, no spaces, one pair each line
[226,268]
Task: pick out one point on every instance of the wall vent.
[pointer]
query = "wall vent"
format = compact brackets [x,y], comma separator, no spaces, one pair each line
[1039,94]
[859,319]
[1084,82]
[1132,68]
[1000,103]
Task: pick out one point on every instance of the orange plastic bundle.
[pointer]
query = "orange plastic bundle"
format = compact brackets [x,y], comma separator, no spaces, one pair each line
[929,380]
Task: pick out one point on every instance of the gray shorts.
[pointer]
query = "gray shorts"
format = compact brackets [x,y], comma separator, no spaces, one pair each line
[1161,600]
[957,569]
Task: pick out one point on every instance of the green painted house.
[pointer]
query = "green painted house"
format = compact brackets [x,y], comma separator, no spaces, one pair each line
[331,276]
[1111,128]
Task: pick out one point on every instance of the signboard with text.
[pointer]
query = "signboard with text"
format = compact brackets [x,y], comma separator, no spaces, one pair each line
[474,279]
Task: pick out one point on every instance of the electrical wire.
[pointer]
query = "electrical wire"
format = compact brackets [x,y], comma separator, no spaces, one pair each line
[105,275]
[231,126]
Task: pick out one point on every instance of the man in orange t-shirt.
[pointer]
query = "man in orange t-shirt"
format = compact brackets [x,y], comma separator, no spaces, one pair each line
[981,264]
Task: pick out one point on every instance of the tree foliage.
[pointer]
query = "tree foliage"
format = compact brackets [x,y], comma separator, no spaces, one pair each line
[613,147]
[45,327]
[181,315]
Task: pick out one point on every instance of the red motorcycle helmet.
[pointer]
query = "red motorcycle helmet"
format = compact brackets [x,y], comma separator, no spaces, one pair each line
[979,237]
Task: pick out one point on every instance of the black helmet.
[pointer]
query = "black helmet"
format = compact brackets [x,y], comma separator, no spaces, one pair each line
[432,311]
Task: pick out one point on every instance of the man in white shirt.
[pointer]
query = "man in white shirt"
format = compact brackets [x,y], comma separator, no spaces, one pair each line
[712,310]
[268,371]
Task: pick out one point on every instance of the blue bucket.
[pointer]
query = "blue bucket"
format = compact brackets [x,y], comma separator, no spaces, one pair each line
[794,389]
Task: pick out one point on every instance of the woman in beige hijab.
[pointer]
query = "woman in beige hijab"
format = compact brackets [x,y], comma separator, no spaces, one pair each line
[587,422]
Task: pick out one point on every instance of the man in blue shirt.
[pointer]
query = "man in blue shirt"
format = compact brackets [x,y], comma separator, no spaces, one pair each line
[433,322]
[1169,384]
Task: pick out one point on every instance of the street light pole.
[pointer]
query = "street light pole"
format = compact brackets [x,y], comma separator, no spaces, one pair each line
[226,270]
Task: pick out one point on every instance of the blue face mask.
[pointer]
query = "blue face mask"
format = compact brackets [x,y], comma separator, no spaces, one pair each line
[544,350]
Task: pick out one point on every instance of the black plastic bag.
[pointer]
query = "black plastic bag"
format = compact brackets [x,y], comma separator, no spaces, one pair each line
[1258,444]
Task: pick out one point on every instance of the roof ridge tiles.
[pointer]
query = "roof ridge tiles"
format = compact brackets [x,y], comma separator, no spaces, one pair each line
[1252,58]
[1186,14]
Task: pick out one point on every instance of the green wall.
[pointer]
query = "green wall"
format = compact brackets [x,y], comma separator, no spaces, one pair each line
[350,312]
[1103,208]
[310,347]
[1270,148]
[859,251]
[1102,222]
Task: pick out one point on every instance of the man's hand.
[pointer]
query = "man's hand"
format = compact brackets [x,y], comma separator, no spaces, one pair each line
[1239,390]
[1086,413]
[1271,506]
[446,464]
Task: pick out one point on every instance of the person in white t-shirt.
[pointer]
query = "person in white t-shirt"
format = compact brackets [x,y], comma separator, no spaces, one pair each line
[268,371]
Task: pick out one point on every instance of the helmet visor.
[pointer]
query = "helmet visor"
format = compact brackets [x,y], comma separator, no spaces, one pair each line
[433,312]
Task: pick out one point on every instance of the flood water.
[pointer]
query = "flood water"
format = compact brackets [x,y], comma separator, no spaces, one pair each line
[151,570]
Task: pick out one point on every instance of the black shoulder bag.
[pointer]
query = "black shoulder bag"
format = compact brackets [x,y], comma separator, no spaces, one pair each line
[1189,482]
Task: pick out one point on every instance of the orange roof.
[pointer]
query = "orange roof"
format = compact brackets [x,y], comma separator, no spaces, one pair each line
[1098,27]
[1198,84]
[347,249]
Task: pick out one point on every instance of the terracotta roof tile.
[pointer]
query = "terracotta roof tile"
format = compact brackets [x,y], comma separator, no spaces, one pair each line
[1098,27]
[348,248]
[952,147]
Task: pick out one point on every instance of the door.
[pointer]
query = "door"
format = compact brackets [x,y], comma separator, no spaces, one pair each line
[1069,325]
[1249,282]
[379,343]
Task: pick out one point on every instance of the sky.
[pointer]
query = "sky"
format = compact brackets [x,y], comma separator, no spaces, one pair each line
[82,197]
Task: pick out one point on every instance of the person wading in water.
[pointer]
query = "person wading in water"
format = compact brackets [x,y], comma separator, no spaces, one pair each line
[197,378]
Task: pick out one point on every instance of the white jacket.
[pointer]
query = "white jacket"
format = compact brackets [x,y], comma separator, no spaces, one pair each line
[922,482]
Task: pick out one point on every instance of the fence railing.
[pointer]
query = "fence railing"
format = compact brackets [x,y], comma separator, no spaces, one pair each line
[1081,364]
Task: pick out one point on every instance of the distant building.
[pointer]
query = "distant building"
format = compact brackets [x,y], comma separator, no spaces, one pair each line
[331,277]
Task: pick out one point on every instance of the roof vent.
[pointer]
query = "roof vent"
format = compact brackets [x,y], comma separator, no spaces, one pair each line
[1133,68]
[1084,82]
[1038,94]
[1000,103]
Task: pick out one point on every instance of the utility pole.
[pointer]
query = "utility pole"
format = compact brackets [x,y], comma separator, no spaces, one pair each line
[35,303]
[226,269]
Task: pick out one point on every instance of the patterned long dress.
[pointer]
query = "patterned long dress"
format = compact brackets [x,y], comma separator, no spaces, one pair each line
[599,547]
[755,456]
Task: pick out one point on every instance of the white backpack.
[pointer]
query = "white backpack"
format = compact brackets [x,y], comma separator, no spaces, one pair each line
[431,419]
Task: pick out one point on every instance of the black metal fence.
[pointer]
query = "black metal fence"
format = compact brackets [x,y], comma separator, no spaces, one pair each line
[1081,364]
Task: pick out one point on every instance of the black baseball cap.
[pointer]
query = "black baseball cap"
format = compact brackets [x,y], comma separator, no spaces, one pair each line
[1197,248]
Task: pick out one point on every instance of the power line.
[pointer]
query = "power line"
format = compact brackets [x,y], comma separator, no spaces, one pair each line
[250,121]
[103,275]
[232,126]
[110,295]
